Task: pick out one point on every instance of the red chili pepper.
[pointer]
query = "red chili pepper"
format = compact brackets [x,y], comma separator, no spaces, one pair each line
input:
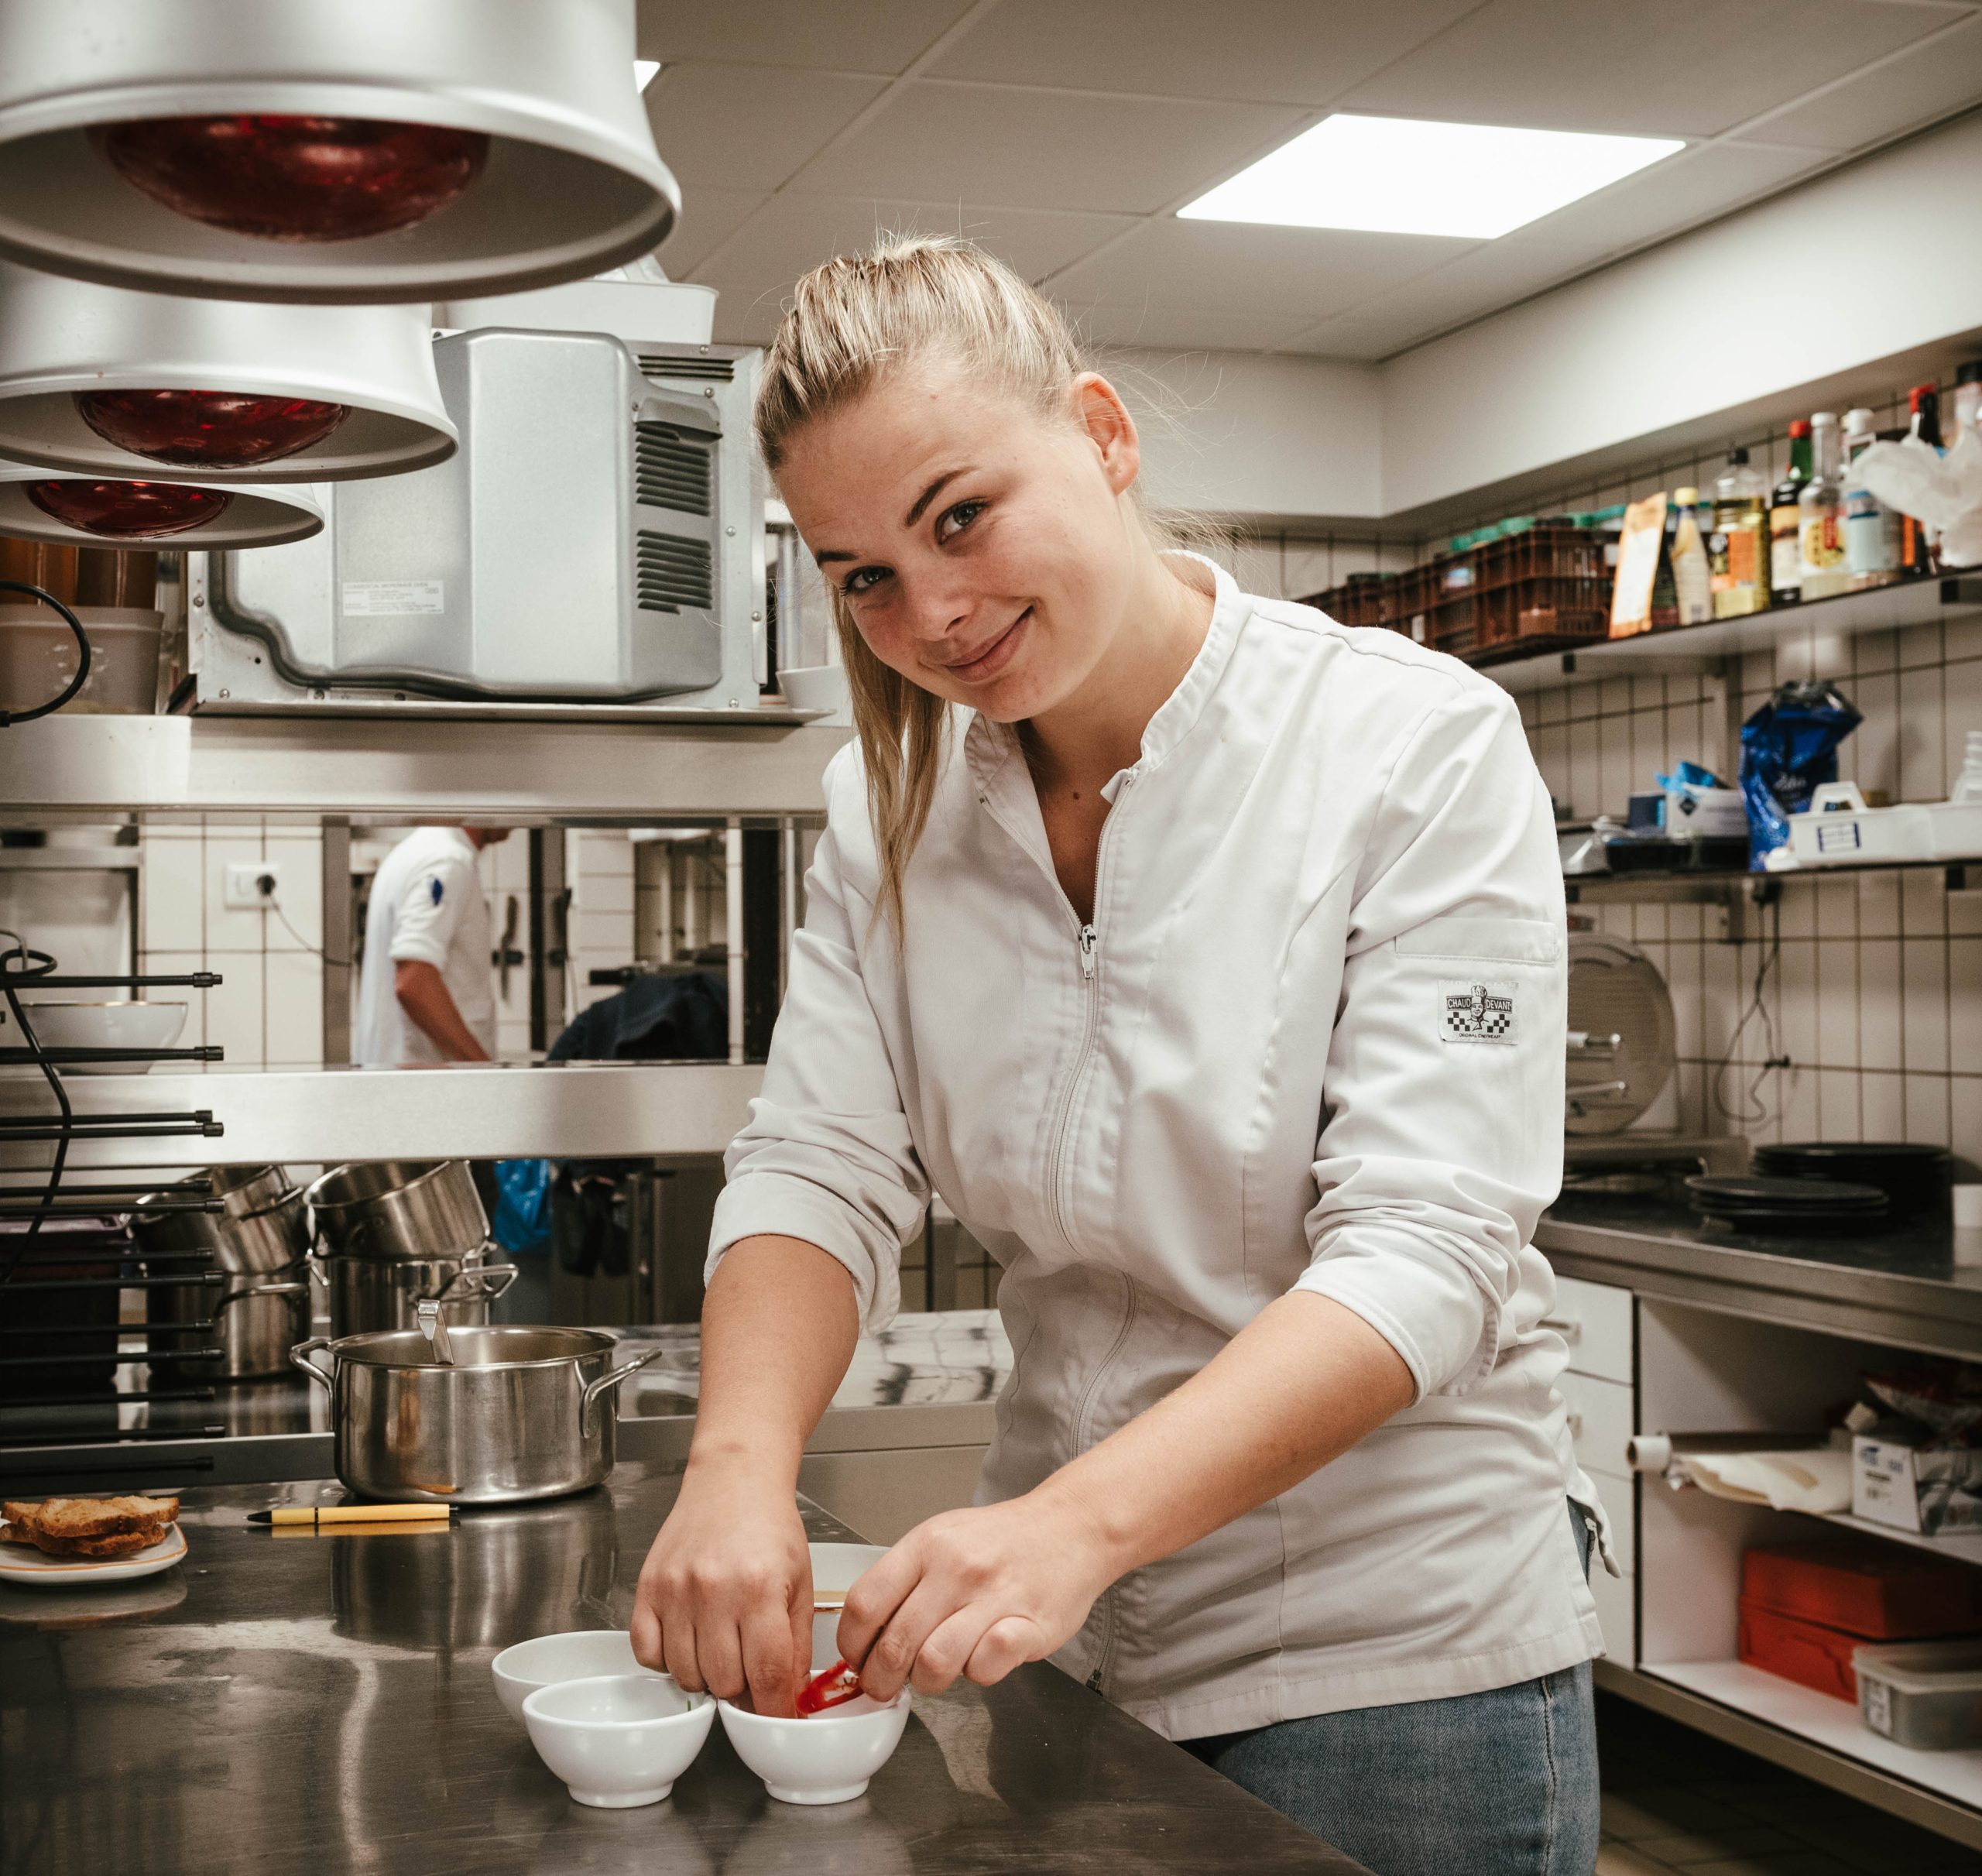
[837,1685]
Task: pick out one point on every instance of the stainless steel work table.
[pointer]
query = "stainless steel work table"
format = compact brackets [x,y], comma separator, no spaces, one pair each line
[323,1703]
[1899,1286]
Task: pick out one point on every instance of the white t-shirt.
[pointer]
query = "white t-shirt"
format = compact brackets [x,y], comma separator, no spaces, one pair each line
[426,906]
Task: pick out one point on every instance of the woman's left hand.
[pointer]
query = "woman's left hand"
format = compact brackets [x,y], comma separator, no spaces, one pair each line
[974,1593]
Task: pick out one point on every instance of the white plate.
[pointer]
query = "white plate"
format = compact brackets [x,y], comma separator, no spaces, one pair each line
[18,1564]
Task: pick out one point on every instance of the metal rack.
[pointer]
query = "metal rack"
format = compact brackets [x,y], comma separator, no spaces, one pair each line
[63,1345]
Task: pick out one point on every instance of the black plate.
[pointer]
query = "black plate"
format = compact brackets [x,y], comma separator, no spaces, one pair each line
[1723,1196]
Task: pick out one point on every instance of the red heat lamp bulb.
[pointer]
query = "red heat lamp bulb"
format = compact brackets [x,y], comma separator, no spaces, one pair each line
[207,430]
[128,511]
[295,178]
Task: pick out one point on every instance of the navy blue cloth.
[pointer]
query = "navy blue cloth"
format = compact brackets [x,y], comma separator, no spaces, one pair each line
[684,1018]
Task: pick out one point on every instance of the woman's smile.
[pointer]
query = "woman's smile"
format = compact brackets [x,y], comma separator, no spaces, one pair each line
[995,658]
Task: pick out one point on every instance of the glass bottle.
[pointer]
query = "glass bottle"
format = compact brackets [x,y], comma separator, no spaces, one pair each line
[1691,578]
[1820,516]
[1737,556]
[1871,530]
[1785,574]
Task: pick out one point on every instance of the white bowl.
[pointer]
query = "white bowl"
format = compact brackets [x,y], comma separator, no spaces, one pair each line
[618,1739]
[129,1025]
[827,1759]
[815,686]
[581,1655]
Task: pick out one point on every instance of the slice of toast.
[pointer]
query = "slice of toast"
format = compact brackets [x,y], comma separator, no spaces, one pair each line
[119,1544]
[92,1518]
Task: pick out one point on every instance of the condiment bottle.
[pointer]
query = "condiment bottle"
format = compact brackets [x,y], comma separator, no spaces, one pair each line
[1737,555]
[1919,549]
[1691,578]
[1785,563]
[1871,531]
[1820,517]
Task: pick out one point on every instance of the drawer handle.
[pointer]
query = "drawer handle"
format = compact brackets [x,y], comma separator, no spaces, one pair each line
[1567,1327]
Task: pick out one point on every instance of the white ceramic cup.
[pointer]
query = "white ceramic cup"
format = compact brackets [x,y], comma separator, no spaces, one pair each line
[582,1655]
[826,1758]
[618,1739]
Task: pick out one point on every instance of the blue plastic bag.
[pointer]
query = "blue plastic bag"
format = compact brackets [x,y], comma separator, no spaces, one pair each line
[523,1206]
[1788,751]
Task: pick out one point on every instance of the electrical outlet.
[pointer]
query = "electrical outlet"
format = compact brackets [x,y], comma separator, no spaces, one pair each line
[250,883]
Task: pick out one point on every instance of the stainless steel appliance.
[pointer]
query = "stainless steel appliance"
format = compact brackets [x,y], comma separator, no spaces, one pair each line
[597,538]
[519,1413]
[1621,1042]
[373,1293]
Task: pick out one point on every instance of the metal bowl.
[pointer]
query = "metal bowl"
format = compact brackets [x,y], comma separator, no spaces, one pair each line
[399,1208]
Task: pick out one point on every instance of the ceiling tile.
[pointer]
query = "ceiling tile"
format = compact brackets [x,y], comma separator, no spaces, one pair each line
[1038,149]
[1493,276]
[1298,51]
[749,127]
[1685,67]
[1692,186]
[1235,267]
[1351,337]
[1913,90]
[1162,328]
[874,35]
[709,217]
[791,234]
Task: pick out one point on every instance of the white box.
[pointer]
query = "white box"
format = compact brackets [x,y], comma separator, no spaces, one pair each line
[1913,1487]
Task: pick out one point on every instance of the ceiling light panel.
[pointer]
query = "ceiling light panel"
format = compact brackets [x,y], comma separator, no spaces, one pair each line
[1403,176]
[336,151]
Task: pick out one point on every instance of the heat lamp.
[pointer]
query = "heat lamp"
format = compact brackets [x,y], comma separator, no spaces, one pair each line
[105,381]
[37,503]
[340,152]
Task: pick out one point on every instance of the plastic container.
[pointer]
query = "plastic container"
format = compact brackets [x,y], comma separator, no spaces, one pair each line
[1874,1591]
[1927,1695]
[1807,1653]
[38,657]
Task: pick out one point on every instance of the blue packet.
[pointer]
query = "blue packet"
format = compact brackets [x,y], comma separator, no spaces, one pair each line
[1788,751]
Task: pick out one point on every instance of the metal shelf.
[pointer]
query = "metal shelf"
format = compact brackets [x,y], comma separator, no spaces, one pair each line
[575,1110]
[415,764]
[1698,650]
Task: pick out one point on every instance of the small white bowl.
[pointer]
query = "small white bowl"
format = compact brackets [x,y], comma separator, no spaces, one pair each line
[815,686]
[582,1655]
[825,1759]
[124,1025]
[618,1739]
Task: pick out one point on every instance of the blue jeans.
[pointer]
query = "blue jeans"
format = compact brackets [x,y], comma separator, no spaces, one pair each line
[1496,1784]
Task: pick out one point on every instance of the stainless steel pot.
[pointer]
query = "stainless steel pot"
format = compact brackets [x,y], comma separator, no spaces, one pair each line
[399,1208]
[256,1322]
[520,1414]
[371,1295]
[263,1226]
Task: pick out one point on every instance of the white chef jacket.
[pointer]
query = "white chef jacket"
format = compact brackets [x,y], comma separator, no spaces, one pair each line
[1312,1039]
[428,906]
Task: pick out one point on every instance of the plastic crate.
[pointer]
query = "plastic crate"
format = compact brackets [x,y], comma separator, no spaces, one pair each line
[1452,598]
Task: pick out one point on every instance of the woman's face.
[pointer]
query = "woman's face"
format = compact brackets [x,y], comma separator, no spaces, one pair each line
[984,547]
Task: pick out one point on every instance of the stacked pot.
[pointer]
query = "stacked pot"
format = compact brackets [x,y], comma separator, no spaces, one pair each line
[260,1239]
[393,1233]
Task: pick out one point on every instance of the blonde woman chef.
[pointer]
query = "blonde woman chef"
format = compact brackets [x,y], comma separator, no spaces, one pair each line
[1208,959]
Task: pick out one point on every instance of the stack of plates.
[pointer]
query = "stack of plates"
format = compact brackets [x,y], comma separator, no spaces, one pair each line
[1796,1207]
[1917,1179]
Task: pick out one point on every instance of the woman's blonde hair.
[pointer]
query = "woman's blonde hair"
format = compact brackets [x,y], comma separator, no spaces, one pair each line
[851,322]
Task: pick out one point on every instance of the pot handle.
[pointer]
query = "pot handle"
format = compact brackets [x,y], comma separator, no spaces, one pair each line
[299,1357]
[479,1283]
[266,1289]
[605,1384]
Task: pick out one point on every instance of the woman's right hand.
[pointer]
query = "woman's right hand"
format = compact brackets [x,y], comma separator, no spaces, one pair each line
[725,1599]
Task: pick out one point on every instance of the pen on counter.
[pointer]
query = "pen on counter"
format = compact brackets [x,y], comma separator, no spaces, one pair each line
[352,1514]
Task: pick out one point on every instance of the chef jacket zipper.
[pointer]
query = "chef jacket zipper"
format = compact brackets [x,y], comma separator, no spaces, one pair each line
[1089,940]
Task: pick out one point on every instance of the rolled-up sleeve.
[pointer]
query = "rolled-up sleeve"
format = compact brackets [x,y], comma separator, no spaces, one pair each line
[827,1155]
[1441,1137]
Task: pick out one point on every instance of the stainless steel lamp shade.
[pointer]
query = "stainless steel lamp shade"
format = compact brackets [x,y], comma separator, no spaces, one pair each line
[61,338]
[571,182]
[265,516]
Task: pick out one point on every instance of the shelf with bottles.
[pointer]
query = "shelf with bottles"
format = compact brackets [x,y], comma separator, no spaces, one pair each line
[1698,650]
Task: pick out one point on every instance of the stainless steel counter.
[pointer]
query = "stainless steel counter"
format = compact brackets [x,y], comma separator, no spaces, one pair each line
[323,1703]
[1901,1287]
